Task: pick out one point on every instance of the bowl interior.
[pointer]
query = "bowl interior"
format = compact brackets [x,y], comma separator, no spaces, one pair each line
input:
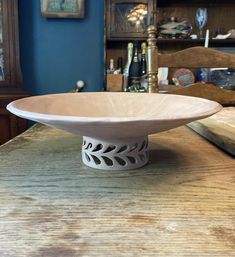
[118,105]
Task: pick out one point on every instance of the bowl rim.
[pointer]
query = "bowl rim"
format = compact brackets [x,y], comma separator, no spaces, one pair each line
[84,119]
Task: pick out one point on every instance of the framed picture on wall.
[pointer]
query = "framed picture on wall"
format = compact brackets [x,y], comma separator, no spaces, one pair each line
[62,8]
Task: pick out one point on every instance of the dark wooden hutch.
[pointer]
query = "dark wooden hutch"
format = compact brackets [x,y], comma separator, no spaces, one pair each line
[221,19]
[10,73]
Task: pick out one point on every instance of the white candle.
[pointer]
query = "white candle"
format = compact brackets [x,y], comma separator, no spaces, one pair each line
[207,38]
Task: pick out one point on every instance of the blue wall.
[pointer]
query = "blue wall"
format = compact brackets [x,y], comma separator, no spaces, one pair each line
[55,53]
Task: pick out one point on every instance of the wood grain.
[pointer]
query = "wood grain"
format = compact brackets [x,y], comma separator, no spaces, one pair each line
[207,91]
[219,129]
[181,204]
[195,57]
[114,82]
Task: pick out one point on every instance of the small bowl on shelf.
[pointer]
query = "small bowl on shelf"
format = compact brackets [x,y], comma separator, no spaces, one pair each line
[174,28]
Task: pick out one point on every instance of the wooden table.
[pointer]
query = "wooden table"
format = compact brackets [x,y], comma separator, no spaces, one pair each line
[51,205]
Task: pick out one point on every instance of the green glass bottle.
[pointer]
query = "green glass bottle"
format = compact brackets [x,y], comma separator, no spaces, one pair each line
[127,66]
[135,70]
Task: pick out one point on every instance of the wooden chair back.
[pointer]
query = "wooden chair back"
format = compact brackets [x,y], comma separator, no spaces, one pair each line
[202,57]
[196,57]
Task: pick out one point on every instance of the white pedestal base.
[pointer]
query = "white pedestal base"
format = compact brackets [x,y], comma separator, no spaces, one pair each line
[121,154]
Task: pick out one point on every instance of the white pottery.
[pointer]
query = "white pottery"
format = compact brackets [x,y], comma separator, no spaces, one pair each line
[114,126]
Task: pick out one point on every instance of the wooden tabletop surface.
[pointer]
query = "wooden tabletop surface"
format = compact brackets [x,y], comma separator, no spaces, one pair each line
[51,205]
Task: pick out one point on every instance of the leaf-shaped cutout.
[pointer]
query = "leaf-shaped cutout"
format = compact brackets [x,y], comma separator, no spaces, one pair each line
[87,157]
[131,159]
[97,148]
[88,146]
[84,142]
[96,159]
[133,148]
[107,161]
[110,148]
[120,161]
[142,157]
[122,149]
[142,146]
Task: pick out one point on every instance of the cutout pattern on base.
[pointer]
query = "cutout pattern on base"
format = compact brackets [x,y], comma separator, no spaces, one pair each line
[122,154]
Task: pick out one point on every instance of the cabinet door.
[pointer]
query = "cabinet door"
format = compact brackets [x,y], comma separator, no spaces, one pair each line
[10,125]
[128,19]
[4,46]
[10,74]
[5,133]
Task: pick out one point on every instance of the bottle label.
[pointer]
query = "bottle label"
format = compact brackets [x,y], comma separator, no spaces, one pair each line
[134,81]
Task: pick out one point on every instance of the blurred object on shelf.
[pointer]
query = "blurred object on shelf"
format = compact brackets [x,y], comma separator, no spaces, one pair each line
[174,28]
[203,75]
[176,82]
[163,75]
[137,73]
[130,47]
[207,38]
[220,36]
[137,16]
[143,65]
[120,65]
[135,70]
[201,19]
[137,89]
[185,77]
[127,19]
[232,32]
[111,68]
[143,62]
[193,36]
[114,82]
[224,78]
[221,77]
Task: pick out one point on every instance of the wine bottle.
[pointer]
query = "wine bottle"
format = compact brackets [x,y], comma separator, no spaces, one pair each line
[127,66]
[119,65]
[135,70]
[143,80]
[111,68]
[143,59]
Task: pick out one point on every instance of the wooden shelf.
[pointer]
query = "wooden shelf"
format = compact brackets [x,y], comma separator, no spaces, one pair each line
[192,2]
[216,42]
[160,41]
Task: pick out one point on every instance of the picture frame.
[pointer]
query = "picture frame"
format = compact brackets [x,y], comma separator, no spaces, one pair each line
[63,8]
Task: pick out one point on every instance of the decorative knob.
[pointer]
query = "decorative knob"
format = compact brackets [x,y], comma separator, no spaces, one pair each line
[152,29]
[80,84]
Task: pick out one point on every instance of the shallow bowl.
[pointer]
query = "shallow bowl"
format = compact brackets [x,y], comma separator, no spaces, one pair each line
[114,126]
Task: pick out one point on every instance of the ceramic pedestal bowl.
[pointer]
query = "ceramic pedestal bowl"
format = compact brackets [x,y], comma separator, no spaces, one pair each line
[114,126]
